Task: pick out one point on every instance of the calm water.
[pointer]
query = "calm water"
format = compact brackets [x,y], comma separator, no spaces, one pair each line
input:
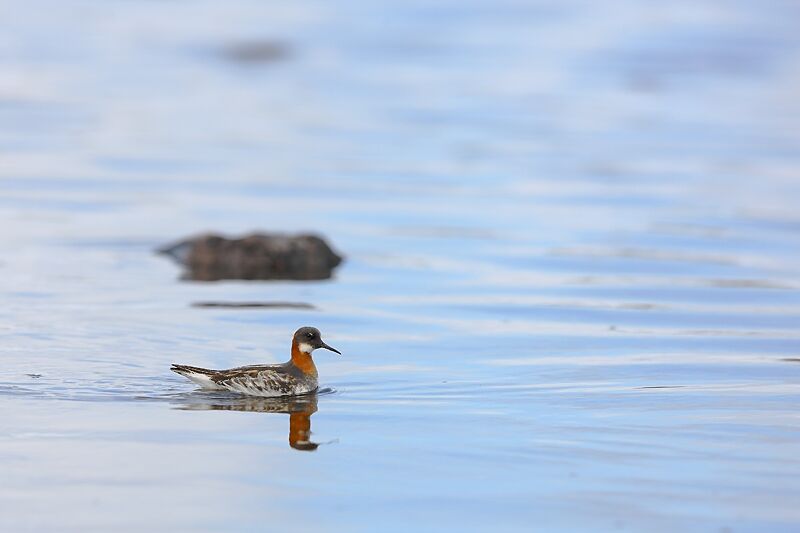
[571,297]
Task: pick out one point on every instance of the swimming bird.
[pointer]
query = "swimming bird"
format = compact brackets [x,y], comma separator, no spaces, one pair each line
[296,376]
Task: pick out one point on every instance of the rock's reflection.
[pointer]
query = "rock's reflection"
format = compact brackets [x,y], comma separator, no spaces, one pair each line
[299,409]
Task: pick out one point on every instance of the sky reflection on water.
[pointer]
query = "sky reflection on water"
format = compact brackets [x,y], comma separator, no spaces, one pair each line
[570,299]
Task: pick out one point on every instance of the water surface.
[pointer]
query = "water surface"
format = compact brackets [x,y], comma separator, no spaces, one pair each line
[570,299]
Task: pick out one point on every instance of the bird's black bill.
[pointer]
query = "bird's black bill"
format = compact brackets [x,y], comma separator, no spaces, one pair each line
[329,348]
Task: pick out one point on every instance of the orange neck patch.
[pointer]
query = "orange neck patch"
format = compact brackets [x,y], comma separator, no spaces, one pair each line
[303,360]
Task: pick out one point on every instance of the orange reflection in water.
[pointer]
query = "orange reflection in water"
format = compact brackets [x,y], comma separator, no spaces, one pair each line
[299,409]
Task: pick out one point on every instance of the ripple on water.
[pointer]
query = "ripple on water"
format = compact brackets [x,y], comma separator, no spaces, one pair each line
[571,296]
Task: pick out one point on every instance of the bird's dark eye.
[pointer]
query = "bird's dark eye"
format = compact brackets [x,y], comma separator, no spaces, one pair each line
[309,335]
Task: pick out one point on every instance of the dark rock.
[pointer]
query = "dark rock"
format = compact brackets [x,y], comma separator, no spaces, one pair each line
[255,257]
[256,52]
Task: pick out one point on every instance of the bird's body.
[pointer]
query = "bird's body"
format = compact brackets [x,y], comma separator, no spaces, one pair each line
[296,376]
[256,380]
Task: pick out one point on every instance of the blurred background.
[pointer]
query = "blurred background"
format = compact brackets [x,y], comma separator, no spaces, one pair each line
[569,296]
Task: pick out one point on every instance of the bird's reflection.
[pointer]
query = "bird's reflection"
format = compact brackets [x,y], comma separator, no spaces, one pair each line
[299,409]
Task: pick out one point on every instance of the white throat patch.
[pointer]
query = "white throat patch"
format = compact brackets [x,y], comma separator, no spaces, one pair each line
[305,347]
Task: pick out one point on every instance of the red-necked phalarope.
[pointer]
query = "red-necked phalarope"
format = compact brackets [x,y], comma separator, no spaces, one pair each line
[297,376]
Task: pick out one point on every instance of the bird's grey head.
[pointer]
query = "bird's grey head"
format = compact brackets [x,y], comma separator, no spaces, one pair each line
[308,339]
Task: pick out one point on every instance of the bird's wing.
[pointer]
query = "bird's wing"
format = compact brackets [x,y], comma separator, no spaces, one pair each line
[202,376]
[257,380]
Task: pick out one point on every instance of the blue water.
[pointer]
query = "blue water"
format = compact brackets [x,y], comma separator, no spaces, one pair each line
[570,299]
